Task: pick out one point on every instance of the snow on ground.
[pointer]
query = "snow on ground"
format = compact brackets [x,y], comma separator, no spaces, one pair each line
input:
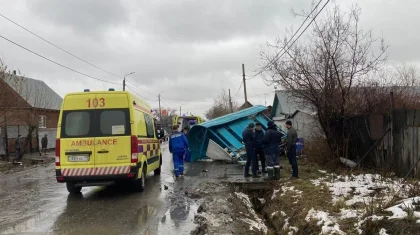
[383,232]
[347,214]
[400,211]
[328,223]
[286,189]
[256,222]
[360,190]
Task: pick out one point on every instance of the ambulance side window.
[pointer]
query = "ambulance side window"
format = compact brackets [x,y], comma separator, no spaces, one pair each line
[141,124]
[149,125]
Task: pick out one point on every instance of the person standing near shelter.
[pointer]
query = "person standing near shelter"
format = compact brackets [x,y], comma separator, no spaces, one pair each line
[291,148]
[271,142]
[44,143]
[248,137]
[178,144]
[19,148]
[259,150]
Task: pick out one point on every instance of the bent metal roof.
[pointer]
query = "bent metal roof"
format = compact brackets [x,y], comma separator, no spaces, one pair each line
[226,131]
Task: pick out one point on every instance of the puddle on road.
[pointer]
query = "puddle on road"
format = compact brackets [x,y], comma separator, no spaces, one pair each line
[179,219]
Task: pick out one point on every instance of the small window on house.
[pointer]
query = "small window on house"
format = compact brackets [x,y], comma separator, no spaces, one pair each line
[42,121]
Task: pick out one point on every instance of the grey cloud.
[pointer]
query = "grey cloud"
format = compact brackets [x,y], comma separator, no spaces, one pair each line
[197,21]
[85,17]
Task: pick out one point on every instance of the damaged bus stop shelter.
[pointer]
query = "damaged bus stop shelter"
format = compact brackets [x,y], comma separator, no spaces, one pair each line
[221,138]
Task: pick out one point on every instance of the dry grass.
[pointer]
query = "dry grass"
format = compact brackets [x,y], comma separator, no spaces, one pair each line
[292,208]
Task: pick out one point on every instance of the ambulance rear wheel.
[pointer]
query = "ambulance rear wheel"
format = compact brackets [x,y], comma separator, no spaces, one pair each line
[158,170]
[72,188]
[140,184]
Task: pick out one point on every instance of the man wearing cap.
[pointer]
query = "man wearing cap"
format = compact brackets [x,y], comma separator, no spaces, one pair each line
[259,150]
[271,142]
[248,137]
[291,148]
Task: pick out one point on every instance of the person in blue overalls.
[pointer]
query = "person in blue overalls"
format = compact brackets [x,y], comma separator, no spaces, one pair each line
[178,144]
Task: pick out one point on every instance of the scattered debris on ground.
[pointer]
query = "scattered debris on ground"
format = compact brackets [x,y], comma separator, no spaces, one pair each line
[225,210]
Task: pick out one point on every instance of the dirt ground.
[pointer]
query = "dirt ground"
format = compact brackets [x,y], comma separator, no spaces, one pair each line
[7,166]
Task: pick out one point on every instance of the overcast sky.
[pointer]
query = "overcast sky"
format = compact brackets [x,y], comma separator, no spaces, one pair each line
[190,50]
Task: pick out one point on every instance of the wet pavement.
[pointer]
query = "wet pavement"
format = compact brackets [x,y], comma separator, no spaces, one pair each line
[32,202]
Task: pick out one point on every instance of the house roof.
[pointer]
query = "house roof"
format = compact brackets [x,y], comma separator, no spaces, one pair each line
[247,104]
[285,104]
[35,92]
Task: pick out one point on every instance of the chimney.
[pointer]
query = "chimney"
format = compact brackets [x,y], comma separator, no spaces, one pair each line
[14,72]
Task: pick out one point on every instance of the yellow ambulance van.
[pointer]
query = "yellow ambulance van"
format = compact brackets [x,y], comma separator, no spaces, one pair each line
[104,138]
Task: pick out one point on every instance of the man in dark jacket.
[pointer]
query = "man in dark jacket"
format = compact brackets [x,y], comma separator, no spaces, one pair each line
[271,142]
[178,144]
[291,148]
[248,138]
[44,143]
[259,150]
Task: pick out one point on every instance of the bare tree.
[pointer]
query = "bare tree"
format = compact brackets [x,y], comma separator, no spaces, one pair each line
[221,106]
[166,119]
[322,69]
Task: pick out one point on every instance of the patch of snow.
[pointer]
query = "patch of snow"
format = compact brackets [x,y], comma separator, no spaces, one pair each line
[255,225]
[286,189]
[257,222]
[292,229]
[329,223]
[274,214]
[322,171]
[262,200]
[282,213]
[399,211]
[347,214]
[383,232]
[348,162]
[275,193]
[286,224]
[361,187]
[359,224]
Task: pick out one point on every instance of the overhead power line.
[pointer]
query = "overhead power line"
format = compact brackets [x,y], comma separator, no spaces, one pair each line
[54,45]
[297,31]
[54,62]
[309,24]
[240,86]
[141,96]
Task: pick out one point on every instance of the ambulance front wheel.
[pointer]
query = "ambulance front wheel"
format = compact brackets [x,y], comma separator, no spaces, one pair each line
[72,188]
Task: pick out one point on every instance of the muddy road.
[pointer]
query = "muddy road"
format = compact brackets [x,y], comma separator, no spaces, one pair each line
[32,202]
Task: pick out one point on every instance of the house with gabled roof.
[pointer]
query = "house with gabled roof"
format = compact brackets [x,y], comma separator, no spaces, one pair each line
[28,107]
[304,118]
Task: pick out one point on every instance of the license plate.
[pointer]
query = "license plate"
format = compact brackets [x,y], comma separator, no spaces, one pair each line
[78,158]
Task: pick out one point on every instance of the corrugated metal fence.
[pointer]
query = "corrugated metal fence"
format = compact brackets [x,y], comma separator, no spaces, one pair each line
[393,140]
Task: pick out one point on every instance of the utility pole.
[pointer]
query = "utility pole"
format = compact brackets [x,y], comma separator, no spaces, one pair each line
[124,80]
[6,138]
[230,103]
[244,81]
[160,111]
[180,114]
